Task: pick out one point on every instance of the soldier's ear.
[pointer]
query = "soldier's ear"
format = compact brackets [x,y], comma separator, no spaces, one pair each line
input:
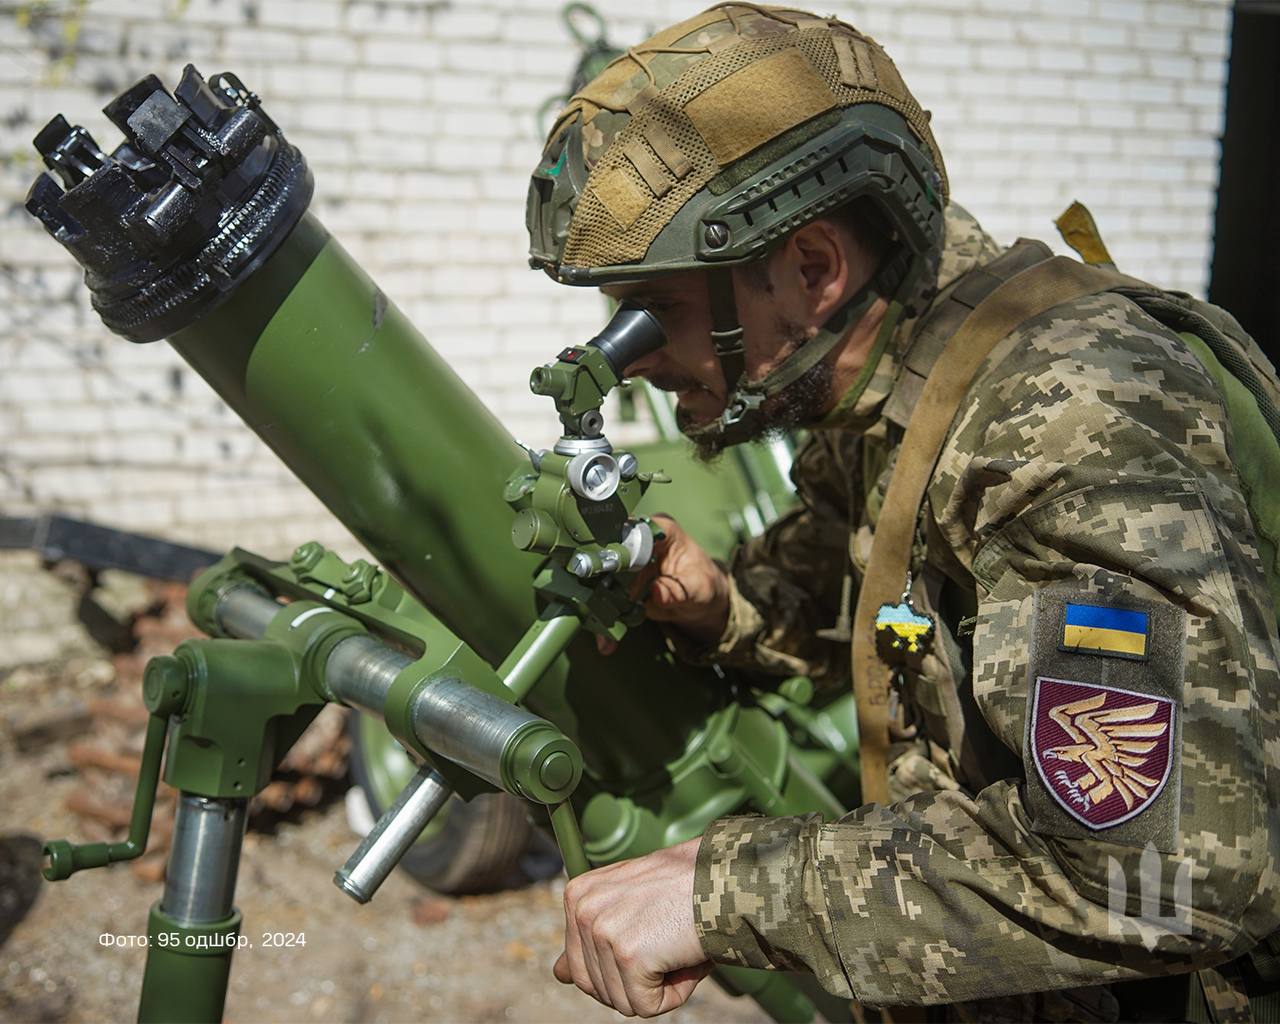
[815,262]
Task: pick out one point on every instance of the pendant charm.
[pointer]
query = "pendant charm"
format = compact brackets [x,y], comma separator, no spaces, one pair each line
[901,628]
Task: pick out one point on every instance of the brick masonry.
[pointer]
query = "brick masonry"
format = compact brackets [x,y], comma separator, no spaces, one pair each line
[419,119]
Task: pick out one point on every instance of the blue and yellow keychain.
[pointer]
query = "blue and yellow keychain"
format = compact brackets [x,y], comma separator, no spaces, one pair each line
[902,628]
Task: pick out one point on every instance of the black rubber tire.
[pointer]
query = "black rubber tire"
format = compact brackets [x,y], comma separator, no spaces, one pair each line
[480,843]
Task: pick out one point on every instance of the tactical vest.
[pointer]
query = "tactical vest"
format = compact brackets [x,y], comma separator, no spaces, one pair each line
[955,340]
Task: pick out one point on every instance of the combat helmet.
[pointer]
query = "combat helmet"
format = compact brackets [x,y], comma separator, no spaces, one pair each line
[717,137]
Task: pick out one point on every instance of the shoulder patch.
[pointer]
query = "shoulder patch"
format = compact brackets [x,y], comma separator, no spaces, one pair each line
[1104,629]
[1103,734]
[1103,753]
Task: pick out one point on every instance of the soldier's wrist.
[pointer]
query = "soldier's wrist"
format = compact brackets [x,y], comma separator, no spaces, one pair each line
[706,646]
[708,628]
[762,859]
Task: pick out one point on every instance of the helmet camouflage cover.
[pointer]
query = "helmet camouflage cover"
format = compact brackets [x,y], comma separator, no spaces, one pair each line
[721,134]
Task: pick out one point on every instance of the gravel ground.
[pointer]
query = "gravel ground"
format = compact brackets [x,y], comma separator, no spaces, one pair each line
[483,958]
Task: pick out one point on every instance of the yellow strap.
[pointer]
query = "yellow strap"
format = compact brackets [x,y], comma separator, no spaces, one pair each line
[1077,227]
[1035,290]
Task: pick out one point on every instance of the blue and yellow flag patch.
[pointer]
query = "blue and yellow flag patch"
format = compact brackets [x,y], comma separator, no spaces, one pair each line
[1098,629]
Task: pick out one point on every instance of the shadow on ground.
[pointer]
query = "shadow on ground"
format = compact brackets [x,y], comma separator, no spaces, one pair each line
[20,881]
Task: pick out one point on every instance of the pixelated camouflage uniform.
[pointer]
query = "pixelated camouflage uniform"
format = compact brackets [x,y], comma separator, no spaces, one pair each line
[1092,454]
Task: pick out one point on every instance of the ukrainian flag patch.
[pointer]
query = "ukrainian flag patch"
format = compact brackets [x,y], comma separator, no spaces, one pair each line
[1099,629]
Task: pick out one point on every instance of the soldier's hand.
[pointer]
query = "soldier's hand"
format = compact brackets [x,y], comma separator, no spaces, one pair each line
[629,938]
[686,587]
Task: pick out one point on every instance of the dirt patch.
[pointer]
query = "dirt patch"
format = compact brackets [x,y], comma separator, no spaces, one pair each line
[474,958]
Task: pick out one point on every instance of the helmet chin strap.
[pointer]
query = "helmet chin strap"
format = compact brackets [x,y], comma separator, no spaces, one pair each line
[740,420]
[726,330]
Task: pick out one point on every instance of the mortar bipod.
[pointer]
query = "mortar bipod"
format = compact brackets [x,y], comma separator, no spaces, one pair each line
[232,706]
[454,717]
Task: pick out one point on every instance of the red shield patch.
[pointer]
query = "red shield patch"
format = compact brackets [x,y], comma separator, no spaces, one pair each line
[1104,753]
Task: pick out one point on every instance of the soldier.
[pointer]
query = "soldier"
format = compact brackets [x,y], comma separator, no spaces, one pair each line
[1065,652]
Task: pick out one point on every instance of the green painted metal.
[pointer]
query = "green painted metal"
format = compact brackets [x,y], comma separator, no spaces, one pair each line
[389,769]
[231,708]
[248,702]
[549,519]
[719,505]
[311,354]
[330,374]
[66,858]
[714,504]
[245,701]
[540,764]
[565,826]
[705,499]
[824,731]
[722,503]
[386,762]
[577,387]
[185,981]
[339,384]
[537,651]
[775,993]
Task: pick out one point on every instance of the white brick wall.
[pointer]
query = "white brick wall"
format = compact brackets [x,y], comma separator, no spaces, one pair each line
[418,119]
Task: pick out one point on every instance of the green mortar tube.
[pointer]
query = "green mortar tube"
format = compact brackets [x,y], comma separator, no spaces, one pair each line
[332,376]
[197,231]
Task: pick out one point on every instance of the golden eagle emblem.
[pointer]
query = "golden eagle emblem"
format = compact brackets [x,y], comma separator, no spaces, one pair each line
[1113,744]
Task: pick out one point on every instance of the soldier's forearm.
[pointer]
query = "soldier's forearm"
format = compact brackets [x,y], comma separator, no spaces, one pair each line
[758,901]
[946,898]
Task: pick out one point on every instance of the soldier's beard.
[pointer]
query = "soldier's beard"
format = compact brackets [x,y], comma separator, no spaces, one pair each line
[801,403]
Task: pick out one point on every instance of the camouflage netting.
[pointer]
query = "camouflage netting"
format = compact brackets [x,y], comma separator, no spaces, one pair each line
[662,121]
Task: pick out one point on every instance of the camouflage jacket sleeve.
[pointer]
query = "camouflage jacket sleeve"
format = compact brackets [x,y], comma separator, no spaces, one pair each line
[1093,460]
[785,584]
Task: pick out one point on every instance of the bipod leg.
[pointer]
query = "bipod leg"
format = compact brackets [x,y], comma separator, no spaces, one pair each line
[194,928]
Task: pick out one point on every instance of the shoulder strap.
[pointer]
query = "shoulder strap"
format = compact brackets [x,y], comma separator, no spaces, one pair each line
[944,318]
[1035,290]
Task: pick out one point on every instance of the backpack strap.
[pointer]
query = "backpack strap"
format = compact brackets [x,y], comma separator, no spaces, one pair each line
[1239,355]
[945,317]
[1046,283]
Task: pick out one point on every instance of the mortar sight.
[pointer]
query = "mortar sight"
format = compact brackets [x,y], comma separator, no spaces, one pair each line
[631,333]
[168,225]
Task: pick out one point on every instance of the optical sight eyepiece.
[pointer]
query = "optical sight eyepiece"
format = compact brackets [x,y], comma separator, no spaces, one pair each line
[631,333]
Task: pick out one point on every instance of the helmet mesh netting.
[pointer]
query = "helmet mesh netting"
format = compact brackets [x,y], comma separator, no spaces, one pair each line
[597,239]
